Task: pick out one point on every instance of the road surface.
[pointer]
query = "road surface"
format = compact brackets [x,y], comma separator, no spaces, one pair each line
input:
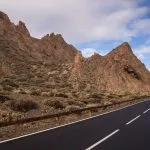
[124,129]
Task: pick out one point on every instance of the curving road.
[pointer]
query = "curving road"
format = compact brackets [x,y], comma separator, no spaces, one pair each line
[124,129]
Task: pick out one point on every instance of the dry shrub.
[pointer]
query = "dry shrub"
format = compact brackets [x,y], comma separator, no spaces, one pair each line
[112,96]
[4,98]
[8,88]
[22,105]
[57,104]
[96,95]
[36,93]
[77,103]
[22,91]
[47,94]
[72,108]
[94,110]
[61,95]
[8,82]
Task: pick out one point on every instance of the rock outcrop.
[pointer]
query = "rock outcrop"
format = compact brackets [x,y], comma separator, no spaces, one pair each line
[119,72]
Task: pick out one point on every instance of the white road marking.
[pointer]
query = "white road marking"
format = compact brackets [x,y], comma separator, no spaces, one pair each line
[102,140]
[69,123]
[133,119]
[146,111]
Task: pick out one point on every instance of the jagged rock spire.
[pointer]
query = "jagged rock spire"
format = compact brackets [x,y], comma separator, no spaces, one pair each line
[22,28]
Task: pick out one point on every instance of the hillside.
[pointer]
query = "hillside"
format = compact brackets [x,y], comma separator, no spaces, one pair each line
[31,65]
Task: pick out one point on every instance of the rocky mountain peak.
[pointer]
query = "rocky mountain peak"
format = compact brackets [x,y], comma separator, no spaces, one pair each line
[4,17]
[57,37]
[21,27]
[53,36]
[95,55]
[123,51]
[124,48]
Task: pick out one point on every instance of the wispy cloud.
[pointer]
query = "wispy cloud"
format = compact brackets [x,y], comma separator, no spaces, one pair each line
[87,52]
[80,21]
[89,24]
[141,26]
[142,51]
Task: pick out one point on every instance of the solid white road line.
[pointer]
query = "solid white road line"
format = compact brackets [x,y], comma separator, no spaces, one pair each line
[146,111]
[133,119]
[102,140]
[70,123]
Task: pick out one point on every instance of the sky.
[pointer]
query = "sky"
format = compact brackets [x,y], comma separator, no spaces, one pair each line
[90,25]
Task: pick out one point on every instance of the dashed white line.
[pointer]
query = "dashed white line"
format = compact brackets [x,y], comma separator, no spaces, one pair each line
[102,140]
[146,111]
[133,120]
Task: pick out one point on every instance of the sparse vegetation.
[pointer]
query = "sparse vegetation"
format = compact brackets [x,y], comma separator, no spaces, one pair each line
[76,103]
[47,94]
[4,98]
[35,93]
[22,91]
[72,108]
[61,95]
[10,83]
[22,105]
[96,95]
[7,88]
[57,104]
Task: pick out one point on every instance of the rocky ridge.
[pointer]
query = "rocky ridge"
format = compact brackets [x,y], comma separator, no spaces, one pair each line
[50,65]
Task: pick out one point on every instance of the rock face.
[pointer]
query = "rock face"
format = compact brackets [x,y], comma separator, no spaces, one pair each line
[118,72]
[50,65]
[17,47]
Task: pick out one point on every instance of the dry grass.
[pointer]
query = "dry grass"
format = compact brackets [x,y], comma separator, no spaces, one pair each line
[72,108]
[57,104]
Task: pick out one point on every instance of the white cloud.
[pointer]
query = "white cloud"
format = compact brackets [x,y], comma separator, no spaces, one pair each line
[79,20]
[148,41]
[148,67]
[142,51]
[87,52]
[141,26]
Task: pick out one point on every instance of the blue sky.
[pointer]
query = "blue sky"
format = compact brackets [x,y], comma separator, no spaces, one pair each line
[90,25]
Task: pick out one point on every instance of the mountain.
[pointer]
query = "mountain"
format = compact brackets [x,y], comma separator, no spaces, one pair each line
[50,65]
[18,48]
[119,72]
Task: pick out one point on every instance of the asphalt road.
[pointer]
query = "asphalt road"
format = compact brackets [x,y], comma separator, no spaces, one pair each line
[125,129]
